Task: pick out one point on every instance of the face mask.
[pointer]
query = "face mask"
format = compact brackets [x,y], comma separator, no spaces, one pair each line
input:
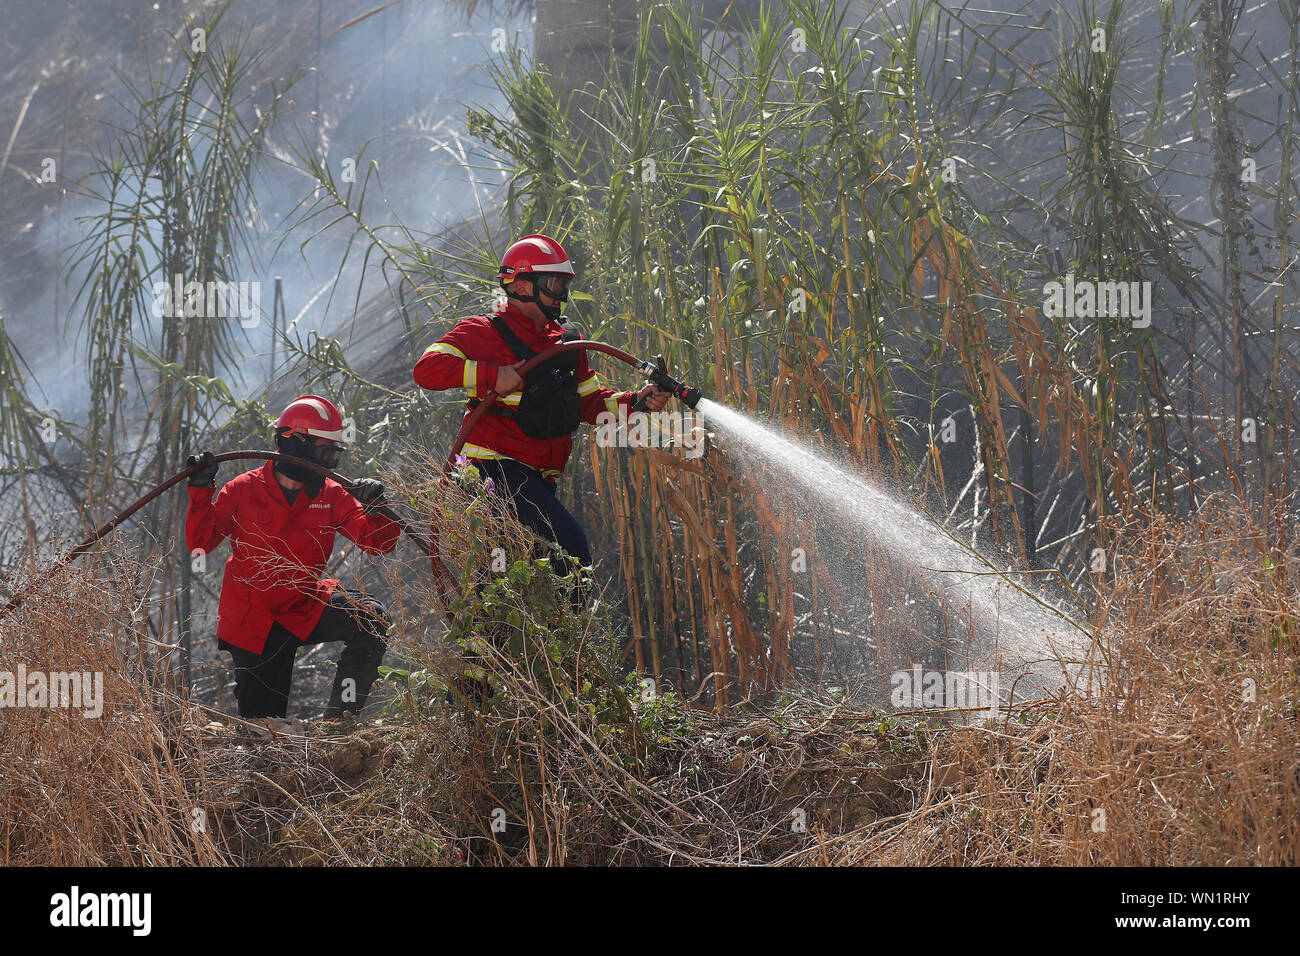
[303,447]
[555,286]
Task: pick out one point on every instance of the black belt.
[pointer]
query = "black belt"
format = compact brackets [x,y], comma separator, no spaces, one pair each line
[493,409]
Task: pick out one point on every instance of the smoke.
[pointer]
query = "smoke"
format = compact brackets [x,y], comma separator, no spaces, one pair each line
[389,89]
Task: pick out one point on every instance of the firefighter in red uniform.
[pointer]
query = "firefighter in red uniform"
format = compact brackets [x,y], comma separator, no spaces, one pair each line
[281,519]
[524,441]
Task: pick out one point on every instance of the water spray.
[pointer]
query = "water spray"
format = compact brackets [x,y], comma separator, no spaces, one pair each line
[1039,643]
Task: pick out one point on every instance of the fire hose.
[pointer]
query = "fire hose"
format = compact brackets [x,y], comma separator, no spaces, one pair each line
[656,371]
[443,578]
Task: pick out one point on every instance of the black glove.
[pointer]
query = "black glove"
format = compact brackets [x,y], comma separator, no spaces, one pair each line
[369,492]
[205,473]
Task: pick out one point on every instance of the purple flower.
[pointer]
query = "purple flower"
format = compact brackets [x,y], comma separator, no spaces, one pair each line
[460,461]
[490,485]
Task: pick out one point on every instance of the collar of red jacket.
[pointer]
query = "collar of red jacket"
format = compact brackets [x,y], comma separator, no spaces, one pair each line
[524,327]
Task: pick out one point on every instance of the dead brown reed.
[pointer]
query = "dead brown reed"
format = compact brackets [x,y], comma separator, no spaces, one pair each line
[1187,753]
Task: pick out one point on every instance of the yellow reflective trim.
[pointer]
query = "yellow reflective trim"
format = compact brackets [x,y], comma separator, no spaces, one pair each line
[589,385]
[471,373]
[478,451]
[446,349]
[611,404]
[487,454]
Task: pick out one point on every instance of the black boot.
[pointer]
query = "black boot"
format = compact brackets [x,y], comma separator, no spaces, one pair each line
[359,662]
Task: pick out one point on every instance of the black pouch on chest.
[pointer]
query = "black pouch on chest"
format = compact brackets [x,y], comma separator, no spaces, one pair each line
[549,405]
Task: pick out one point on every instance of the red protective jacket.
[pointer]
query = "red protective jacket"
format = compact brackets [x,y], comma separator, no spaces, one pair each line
[468,357]
[277,551]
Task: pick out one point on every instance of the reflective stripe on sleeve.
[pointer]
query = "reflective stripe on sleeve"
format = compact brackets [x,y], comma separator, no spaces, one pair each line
[446,349]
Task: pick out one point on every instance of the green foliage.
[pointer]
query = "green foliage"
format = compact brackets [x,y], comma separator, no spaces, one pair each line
[176,198]
[523,608]
[416,693]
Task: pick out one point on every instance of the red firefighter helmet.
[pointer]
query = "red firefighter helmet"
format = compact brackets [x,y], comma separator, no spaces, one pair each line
[311,415]
[534,254]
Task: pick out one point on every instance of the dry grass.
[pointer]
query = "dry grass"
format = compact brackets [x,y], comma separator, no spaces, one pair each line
[114,789]
[1188,756]
[1184,766]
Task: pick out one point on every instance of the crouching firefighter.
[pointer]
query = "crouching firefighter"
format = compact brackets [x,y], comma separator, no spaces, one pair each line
[281,519]
[523,442]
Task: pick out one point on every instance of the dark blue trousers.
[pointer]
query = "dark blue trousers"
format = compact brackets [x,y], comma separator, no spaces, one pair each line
[532,498]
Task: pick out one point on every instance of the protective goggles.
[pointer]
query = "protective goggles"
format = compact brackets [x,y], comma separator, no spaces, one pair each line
[328,455]
[554,284]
